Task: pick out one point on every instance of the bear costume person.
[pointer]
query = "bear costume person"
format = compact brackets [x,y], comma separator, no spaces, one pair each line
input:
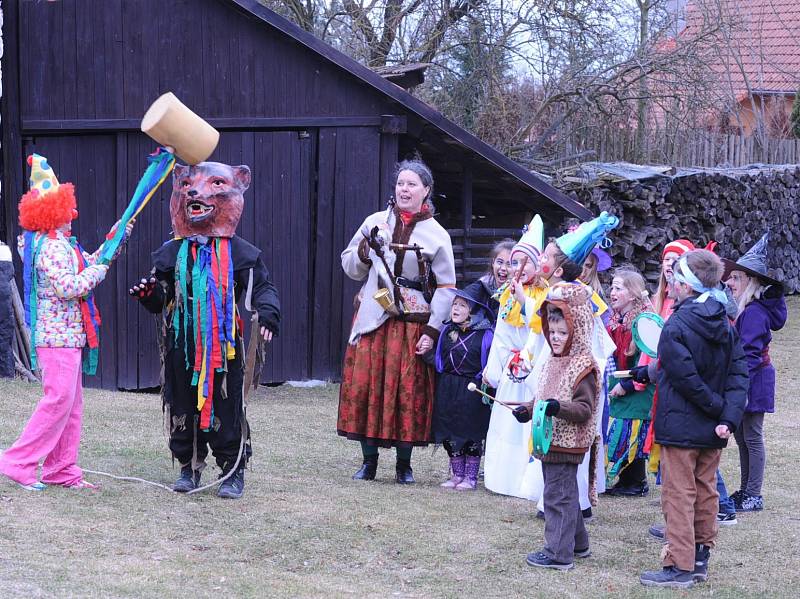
[197,280]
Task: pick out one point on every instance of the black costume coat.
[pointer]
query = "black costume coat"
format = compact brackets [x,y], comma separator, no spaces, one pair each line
[459,415]
[179,395]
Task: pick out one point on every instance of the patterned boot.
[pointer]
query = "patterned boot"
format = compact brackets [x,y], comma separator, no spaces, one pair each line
[471,468]
[457,472]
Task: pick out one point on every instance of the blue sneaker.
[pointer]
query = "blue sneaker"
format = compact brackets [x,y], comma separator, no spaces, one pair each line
[34,487]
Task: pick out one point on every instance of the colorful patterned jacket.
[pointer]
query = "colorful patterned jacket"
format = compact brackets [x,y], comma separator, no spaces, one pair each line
[59,322]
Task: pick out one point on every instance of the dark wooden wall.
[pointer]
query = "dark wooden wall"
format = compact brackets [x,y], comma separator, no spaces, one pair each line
[311,135]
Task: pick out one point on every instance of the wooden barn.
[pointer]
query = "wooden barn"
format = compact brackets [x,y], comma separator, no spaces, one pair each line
[320,132]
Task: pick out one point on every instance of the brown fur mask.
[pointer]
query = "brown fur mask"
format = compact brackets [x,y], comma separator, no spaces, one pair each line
[207,199]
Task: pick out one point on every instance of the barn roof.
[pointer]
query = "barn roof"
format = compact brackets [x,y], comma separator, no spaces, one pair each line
[504,166]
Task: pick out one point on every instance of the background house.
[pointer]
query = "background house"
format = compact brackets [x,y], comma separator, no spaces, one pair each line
[756,60]
[321,133]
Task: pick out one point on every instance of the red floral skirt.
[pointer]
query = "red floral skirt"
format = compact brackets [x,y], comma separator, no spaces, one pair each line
[386,397]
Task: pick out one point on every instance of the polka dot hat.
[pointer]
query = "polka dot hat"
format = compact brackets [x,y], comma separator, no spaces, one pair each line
[43,179]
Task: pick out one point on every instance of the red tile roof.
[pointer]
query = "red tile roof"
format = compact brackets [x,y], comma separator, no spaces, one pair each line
[761,40]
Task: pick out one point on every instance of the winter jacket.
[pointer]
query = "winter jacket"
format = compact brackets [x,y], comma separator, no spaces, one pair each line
[754,326]
[702,376]
[59,322]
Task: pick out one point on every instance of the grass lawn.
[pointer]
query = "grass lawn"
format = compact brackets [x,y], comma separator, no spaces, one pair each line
[305,529]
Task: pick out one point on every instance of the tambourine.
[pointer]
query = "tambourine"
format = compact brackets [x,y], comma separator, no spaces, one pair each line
[646,331]
[542,429]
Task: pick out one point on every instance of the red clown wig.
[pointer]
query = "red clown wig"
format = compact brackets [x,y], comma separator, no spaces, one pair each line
[49,211]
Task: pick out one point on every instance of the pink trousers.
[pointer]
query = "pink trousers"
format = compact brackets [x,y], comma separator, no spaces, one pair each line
[54,430]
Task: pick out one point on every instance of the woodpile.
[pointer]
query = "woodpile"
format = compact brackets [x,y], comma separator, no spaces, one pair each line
[21,342]
[732,207]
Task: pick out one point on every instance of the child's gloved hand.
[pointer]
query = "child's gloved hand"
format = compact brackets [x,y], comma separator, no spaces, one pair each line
[553,406]
[143,289]
[640,374]
[522,414]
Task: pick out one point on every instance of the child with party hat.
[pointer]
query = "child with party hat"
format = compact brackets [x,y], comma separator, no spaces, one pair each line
[506,459]
[61,313]
[561,263]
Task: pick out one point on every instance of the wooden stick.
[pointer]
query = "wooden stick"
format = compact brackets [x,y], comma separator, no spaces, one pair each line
[507,404]
[522,266]
[622,374]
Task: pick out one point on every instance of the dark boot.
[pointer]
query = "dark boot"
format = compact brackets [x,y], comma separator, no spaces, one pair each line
[403,473]
[233,487]
[368,469]
[701,556]
[188,481]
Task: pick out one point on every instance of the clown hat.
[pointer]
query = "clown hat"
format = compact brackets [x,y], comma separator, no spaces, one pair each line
[753,263]
[49,204]
[578,244]
[532,241]
[679,246]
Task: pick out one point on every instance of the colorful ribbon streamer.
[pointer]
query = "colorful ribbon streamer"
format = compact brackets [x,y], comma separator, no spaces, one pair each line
[212,308]
[161,164]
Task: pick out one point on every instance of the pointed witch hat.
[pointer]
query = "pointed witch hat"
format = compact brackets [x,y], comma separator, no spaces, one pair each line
[754,262]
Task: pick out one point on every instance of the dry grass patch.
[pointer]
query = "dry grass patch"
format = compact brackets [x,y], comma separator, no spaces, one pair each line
[305,529]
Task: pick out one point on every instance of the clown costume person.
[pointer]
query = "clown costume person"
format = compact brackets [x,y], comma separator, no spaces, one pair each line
[60,311]
[198,279]
[506,461]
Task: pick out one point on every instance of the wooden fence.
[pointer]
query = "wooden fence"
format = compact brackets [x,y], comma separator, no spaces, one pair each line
[698,148]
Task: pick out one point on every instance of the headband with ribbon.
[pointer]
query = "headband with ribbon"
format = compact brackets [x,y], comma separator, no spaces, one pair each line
[685,275]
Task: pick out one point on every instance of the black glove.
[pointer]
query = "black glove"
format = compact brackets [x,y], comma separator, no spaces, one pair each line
[144,289]
[373,240]
[552,407]
[640,374]
[522,414]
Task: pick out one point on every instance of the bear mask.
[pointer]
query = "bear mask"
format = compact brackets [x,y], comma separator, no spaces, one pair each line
[207,199]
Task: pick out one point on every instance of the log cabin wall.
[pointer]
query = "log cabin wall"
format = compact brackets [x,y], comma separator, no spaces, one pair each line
[732,207]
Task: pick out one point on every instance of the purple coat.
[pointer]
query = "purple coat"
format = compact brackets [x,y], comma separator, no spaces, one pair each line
[755,326]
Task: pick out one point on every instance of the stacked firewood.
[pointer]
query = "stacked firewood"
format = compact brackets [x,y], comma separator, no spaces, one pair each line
[733,208]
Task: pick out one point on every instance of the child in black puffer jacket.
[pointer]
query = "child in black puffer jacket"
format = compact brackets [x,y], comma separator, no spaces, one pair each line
[702,385]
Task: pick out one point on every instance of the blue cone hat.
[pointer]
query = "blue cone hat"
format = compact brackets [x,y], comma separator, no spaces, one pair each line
[578,244]
[754,262]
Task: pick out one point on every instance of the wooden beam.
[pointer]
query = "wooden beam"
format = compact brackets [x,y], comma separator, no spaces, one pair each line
[466,207]
[33,126]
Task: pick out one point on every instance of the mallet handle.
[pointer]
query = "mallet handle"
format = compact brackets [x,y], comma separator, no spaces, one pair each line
[622,374]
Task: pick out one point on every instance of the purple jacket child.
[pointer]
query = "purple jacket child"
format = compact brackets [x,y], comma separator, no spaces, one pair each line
[755,325]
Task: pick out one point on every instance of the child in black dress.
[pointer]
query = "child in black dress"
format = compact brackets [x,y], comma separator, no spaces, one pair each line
[460,416]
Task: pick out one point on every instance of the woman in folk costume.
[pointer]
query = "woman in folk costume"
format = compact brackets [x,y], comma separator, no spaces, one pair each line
[630,406]
[561,264]
[405,259]
[198,278]
[60,311]
[460,416]
[762,309]
[507,459]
